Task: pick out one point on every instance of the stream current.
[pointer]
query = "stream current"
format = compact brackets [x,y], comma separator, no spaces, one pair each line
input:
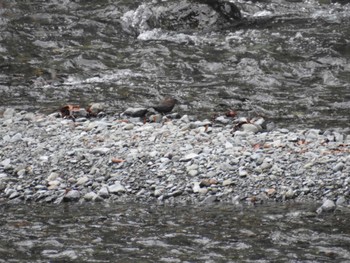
[291,66]
[137,233]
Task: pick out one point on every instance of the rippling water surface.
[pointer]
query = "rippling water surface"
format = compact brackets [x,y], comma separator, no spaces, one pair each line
[136,233]
[292,68]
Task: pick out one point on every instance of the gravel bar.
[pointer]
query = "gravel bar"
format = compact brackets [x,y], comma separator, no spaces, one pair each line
[45,158]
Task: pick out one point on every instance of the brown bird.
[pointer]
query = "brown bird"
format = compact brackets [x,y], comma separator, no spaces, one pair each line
[166,105]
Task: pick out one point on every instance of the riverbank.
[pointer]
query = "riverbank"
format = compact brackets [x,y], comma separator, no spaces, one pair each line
[50,159]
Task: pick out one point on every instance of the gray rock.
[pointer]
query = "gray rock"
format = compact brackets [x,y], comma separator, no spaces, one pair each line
[222,120]
[328,206]
[210,199]
[72,195]
[82,180]
[249,127]
[116,188]
[189,157]
[135,112]
[289,194]
[227,182]
[103,192]
[100,150]
[128,126]
[96,108]
[9,113]
[6,162]
[158,192]
[91,196]
[339,167]
[242,172]
[341,201]
[14,194]
[185,119]
[52,176]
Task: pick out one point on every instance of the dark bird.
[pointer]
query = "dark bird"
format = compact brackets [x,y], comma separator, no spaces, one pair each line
[166,105]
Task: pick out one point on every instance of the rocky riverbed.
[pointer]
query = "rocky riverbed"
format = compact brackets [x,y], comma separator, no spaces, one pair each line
[45,158]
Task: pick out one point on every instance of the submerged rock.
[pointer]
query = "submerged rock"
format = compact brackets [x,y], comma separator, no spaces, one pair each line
[182,16]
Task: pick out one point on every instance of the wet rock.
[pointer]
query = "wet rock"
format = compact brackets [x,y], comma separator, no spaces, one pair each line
[341,201]
[63,255]
[72,195]
[103,192]
[197,189]
[135,112]
[210,199]
[183,15]
[327,206]
[92,196]
[14,194]
[289,194]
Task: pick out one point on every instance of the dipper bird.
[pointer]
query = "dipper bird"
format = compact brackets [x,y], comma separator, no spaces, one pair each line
[166,105]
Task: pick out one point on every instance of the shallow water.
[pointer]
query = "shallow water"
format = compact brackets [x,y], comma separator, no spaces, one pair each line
[293,68]
[137,233]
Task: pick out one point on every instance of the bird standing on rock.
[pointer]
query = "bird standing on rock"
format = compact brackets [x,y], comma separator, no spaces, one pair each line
[166,105]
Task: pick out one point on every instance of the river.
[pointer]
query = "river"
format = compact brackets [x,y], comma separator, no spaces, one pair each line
[291,68]
[117,232]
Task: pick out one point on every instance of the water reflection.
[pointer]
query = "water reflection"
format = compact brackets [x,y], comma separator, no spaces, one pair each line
[154,233]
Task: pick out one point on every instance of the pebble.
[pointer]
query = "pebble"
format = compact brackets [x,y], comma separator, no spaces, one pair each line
[82,180]
[227,182]
[128,126]
[338,167]
[179,159]
[251,128]
[100,150]
[188,157]
[52,176]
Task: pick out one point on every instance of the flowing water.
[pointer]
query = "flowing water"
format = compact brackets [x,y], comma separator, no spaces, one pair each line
[291,65]
[136,233]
